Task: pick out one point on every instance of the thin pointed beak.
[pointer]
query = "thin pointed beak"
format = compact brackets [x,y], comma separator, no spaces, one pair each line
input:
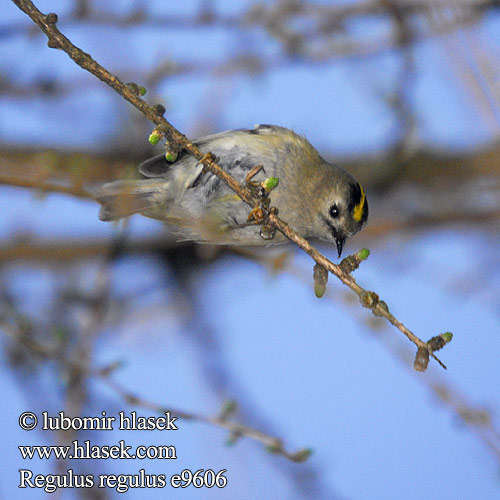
[339,240]
[337,236]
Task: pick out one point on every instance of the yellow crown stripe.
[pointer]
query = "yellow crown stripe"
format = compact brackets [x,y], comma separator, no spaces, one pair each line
[358,209]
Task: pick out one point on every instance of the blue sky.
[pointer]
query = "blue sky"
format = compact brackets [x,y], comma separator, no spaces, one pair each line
[310,371]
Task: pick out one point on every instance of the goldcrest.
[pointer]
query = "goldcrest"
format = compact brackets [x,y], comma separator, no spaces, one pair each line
[317,199]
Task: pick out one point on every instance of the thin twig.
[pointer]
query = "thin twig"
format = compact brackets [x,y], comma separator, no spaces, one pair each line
[177,141]
[76,366]
[236,430]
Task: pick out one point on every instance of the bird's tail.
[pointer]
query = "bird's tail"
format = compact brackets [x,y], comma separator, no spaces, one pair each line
[123,198]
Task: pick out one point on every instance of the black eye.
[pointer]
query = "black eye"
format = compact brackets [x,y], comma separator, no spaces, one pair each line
[334,211]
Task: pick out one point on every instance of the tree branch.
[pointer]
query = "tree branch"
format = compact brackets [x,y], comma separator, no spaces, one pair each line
[104,374]
[45,187]
[177,141]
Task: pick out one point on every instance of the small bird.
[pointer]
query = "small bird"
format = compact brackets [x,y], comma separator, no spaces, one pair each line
[317,199]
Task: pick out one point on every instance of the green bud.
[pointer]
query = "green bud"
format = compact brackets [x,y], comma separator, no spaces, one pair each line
[276,447]
[231,440]
[319,290]
[154,138]
[142,90]
[135,88]
[270,183]
[439,341]
[320,277]
[447,336]
[363,254]
[228,408]
[171,156]
[302,455]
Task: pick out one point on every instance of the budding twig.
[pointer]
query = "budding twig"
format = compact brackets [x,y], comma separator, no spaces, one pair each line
[104,374]
[177,142]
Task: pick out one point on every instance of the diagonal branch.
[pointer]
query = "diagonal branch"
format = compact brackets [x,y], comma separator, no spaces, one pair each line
[177,141]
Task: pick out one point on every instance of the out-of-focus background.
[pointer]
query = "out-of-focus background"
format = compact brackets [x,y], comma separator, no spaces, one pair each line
[99,317]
